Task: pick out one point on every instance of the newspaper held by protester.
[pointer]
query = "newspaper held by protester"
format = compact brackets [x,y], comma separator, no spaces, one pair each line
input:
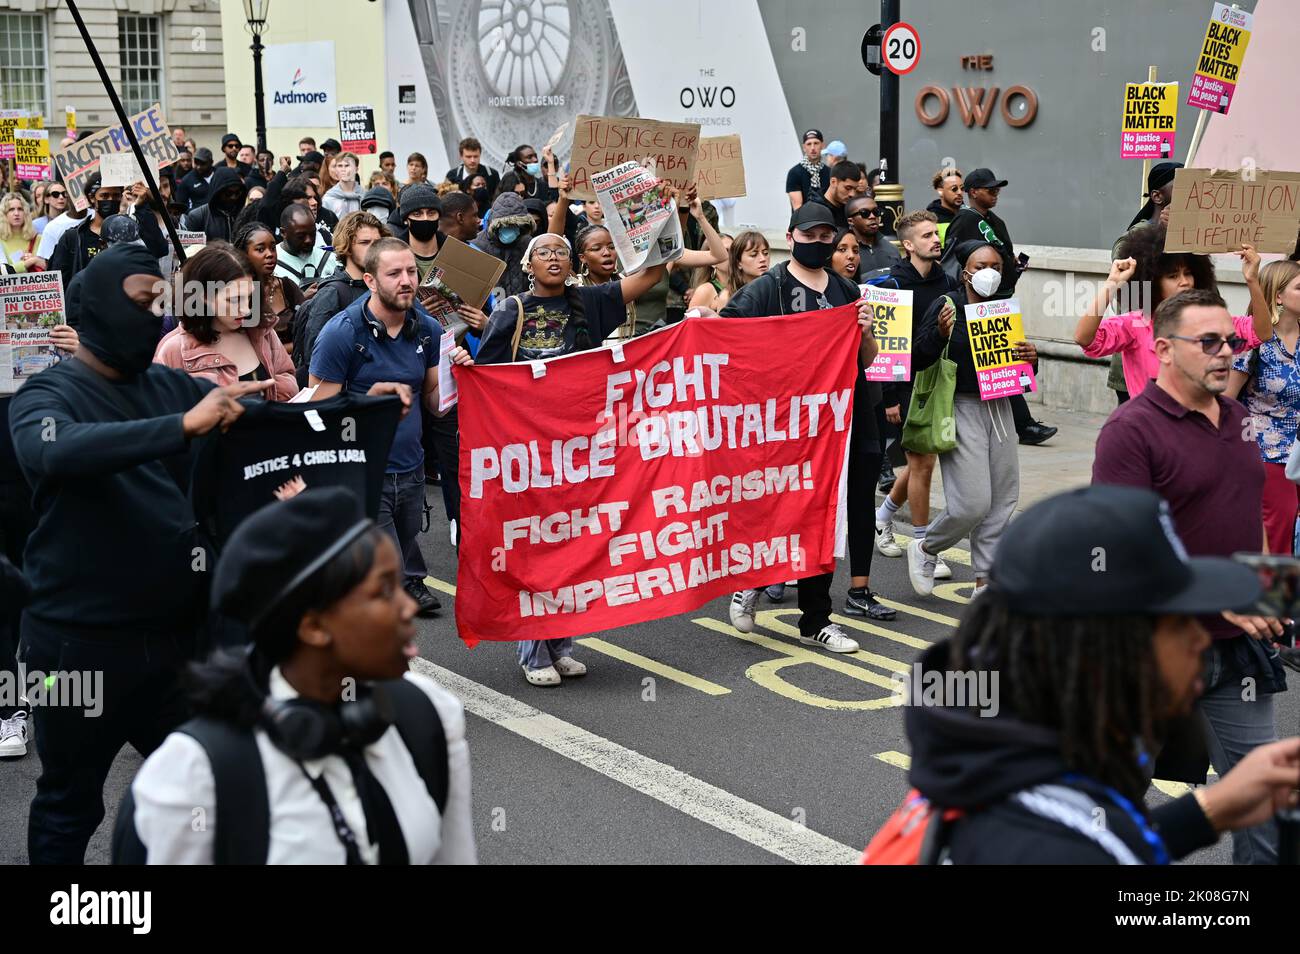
[442,302]
[640,214]
[31,304]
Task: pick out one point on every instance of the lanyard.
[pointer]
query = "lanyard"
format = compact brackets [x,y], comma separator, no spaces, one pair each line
[341,828]
[1149,834]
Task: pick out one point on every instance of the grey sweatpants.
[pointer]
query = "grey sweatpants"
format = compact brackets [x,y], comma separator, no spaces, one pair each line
[981,480]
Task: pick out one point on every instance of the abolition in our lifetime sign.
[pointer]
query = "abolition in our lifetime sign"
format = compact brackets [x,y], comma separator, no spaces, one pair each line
[666,472]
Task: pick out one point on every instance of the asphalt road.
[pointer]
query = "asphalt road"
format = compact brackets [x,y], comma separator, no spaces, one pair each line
[687,742]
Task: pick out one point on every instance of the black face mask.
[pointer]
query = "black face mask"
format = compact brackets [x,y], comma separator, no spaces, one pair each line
[227,203]
[107,207]
[812,254]
[113,327]
[482,197]
[422,230]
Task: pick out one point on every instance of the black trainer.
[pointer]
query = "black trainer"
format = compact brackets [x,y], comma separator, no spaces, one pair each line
[1036,433]
[886,482]
[427,602]
[864,603]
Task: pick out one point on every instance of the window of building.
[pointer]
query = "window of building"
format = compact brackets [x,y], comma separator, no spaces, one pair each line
[23,62]
[140,54]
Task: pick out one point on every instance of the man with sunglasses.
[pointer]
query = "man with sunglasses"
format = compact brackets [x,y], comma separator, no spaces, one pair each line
[878,254]
[1183,439]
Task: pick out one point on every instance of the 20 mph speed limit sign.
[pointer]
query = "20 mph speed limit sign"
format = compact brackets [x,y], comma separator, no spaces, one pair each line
[901,48]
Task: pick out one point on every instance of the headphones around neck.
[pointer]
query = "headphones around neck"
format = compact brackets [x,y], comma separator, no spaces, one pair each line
[304,729]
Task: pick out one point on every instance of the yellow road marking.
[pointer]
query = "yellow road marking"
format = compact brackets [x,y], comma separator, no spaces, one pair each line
[896,759]
[769,620]
[654,666]
[448,588]
[766,673]
[952,591]
[924,614]
[957,556]
[913,641]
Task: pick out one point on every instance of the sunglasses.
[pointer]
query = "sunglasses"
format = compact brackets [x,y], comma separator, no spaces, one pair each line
[56,195]
[1213,344]
[866,214]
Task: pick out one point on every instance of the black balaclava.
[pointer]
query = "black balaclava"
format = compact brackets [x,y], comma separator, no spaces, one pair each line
[114,328]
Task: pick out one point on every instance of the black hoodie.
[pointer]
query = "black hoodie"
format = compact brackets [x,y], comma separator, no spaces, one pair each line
[108,464]
[941,211]
[980,765]
[216,223]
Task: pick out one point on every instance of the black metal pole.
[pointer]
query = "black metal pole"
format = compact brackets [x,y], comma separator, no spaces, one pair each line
[125,120]
[258,101]
[889,198]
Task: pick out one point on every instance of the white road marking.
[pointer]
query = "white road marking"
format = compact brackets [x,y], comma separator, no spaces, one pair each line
[714,806]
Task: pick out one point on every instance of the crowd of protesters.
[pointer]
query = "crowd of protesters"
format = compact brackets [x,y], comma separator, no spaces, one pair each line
[311,291]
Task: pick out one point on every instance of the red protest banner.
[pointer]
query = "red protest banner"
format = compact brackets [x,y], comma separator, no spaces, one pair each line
[711,458]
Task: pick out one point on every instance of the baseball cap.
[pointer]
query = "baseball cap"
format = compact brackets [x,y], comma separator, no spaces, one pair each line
[813,134]
[1111,551]
[836,148]
[811,214]
[204,154]
[331,144]
[982,178]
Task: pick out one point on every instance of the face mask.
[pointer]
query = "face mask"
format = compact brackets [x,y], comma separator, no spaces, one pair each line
[113,327]
[422,230]
[107,207]
[534,169]
[508,234]
[812,254]
[481,197]
[986,281]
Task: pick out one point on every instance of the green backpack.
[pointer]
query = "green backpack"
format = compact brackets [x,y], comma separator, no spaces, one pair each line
[931,427]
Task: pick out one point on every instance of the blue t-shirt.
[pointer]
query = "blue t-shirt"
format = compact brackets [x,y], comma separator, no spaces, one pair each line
[400,359]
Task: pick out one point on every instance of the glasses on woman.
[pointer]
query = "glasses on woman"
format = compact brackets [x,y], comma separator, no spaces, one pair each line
[548,252]
[1213,344]
[55,195]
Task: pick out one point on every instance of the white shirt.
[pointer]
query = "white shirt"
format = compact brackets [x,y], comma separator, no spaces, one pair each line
[54,231]
[175,797]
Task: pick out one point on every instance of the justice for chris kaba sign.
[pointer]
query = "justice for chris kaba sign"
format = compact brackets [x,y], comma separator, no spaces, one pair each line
[300,85]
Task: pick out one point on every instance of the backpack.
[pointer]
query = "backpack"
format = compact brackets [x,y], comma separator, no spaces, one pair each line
[914,835]
[243,817]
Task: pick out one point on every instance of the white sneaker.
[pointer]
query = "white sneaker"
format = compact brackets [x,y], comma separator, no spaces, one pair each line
[920,568]
[453,529]
[886,543]
[546,676]
[13,736]
[569,667]
[742,610]
[941,570]
[831,637]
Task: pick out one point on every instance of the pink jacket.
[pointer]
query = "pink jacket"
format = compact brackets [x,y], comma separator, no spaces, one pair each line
[179,349]
[1130,336]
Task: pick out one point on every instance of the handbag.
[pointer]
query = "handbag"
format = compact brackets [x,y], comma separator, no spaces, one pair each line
[931,426]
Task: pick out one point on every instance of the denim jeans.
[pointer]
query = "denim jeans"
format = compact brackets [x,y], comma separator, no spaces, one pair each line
[540,653]
[1234,726]
[401,512]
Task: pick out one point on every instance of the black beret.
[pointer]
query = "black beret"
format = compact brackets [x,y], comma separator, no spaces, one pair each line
[281,546]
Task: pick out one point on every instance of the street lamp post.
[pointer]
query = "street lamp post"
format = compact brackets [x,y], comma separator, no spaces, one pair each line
[255,12]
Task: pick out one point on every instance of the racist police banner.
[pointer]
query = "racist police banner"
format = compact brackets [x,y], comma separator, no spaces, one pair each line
[80,161]
[662,473]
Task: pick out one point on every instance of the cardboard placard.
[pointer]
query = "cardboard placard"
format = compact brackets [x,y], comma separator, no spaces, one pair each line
[720,168]
[357,130]
[70,120]
[80,161]
[1216,210]
[32,154]
[121,169]
[994,328]
[1150,121]
[1218,64]
[471,274]
[892,327]
[602,142]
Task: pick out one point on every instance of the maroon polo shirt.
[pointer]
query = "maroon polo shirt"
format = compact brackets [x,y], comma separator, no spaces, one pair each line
[1211,477]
